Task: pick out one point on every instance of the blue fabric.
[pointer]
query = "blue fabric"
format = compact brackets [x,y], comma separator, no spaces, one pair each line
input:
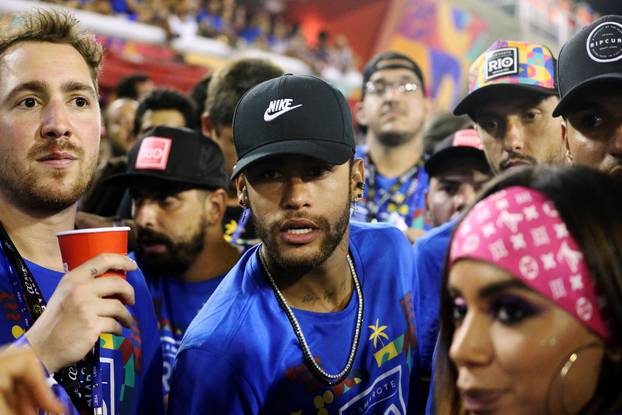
[177,303]
[215,22]
[241,356]
[430,252]
[411,215]
[134,358]
[119,6]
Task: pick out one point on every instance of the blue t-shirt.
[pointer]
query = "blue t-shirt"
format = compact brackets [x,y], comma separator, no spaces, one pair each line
[131,364]
[430,252]
[396,200]
[176,304]
[240,354]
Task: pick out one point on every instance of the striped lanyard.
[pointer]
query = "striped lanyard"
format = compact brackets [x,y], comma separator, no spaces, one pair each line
[415,175]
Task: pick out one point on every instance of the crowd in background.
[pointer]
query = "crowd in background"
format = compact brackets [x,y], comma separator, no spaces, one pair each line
[241,24]
[441,263]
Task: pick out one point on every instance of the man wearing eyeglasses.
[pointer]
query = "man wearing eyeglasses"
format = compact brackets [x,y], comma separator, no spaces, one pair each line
[393,110]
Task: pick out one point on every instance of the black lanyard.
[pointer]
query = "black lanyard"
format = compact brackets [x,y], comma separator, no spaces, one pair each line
[80,379]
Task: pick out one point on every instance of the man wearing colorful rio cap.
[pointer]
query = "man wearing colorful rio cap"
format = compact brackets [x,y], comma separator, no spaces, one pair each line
[319,316]
[97,337]
[589,77]
[511,98]
[177,182]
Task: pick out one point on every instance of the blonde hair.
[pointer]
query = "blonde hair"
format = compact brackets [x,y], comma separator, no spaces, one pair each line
[56,27]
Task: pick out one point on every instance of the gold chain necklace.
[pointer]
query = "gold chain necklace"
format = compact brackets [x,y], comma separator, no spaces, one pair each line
[324,376]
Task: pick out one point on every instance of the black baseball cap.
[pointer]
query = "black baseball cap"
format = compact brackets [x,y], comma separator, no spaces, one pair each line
[592,56]
[461,145]
[179,156]
[391,60]
[292,114]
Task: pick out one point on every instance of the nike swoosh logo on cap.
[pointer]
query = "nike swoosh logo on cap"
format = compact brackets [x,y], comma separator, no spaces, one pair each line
[269,117]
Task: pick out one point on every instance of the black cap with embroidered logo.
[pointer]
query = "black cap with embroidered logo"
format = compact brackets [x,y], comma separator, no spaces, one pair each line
[179,156]
[292,114]
[592,56]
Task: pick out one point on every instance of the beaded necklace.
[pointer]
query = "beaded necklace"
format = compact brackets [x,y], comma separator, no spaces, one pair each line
[331,379]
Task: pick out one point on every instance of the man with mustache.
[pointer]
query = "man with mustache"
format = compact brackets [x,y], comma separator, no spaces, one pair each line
[319,315]
[96,336]
[589,77]
[393,110]
[511,98]
[178,183]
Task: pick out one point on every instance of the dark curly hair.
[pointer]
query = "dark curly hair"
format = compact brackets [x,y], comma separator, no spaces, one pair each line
[231,82]
[166,99]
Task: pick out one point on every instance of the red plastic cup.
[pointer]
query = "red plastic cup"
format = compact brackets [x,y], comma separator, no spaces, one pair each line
[78,246]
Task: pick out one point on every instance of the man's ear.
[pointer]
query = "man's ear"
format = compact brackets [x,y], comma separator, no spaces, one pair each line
[428,212]
[359,114]
[207,126]
[357,180]
[241,190]
[564,132]
[215,206]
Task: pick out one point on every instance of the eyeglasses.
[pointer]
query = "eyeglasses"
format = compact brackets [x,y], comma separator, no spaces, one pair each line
[380,88]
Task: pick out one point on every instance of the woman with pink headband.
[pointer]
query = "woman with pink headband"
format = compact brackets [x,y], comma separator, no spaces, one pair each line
[531,315]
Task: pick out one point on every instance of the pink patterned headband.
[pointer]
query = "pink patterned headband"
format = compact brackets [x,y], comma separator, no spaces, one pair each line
[519,230]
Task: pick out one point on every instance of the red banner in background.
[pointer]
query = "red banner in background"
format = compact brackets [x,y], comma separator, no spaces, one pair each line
[161,63]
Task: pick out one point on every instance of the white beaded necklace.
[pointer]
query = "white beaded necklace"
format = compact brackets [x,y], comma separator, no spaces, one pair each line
[306,351]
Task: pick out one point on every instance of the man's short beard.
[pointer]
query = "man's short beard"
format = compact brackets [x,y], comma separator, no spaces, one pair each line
[180,255]
[393,139]
[26,191]
[294,266]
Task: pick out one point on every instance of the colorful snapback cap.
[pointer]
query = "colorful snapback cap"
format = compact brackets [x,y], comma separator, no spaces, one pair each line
[509,63]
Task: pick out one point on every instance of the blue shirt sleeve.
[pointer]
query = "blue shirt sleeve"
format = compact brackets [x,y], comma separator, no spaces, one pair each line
[429,256]
[430,252]
[151,398]
[211,385]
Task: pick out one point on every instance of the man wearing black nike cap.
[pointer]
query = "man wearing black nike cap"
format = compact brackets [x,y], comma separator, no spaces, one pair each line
[319,316]
[589,78]
[178,183]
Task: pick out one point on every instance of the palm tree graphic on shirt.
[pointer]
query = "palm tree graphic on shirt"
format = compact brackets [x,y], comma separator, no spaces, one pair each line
[377,333]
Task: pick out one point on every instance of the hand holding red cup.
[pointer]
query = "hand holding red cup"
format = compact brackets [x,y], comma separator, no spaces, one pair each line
[78,246]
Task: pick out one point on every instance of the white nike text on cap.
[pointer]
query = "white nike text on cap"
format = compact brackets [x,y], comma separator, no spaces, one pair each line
[278,107]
